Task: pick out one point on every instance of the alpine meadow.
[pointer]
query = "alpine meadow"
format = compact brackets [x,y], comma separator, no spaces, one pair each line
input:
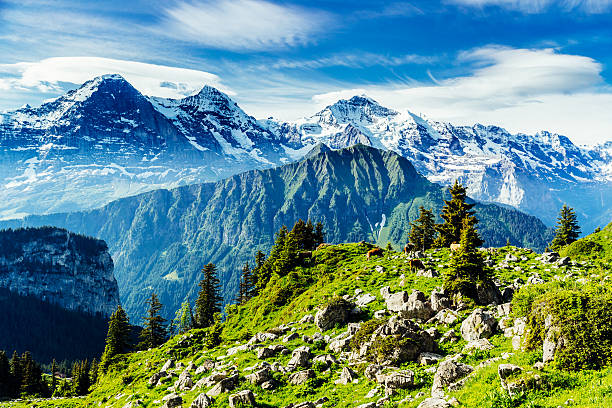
[297,204]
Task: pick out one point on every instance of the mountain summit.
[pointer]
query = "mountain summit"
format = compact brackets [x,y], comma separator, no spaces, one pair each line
[106,140]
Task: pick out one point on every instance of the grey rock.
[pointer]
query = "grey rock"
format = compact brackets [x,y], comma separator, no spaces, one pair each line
[415,305]
[223,386]
[347,376]
[439,301]
[365,299]
[299,358]
[429,358]
[184,382]
[242,399]
[259,377]
[307,319]
[434,403]
[399,379]
[479,324]
[337,312]
[448,372]
[478,344]
[301,377]
[167,365]
[291,337]
[202,401]
[172,401]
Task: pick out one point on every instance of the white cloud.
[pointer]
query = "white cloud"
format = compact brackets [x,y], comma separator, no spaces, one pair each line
[539,6]
[354,61]
[243,24]
[522,90]
[159,80]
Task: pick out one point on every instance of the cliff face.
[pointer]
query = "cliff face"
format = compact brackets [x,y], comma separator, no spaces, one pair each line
[55,265]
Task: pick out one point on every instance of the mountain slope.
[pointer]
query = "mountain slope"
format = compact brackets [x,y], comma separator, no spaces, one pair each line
[536,174]
[160,240]
[106,140]
[54,287]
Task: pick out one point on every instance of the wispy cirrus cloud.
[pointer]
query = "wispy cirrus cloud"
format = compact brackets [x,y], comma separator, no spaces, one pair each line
[361,60]
[241,25]
[524,90]
[49,75]
[540,6]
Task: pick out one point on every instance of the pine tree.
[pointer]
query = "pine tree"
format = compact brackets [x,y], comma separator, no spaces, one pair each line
[5,375]
[154,332]
[16,374]
[93,372]
[567,230]
[31,383]
[118,337]
[53,378]
[319,235]
[209,300]
[183,319]
[454,212]
[467,265]
[288,255]
[423,231]
[246,288]
[80,378]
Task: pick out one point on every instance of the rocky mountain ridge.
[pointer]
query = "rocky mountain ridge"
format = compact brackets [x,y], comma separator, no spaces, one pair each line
[106,140]
[59,267]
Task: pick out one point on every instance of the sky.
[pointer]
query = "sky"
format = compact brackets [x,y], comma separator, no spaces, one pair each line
[525,65]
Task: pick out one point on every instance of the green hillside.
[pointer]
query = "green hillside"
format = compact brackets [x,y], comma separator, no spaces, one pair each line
[256,334]
[160,240]
[596,246]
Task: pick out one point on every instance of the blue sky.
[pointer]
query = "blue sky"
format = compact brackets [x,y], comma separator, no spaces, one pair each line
[524,65]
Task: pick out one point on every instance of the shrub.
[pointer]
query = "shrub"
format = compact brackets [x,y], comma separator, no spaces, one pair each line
[584,319]
[364,333]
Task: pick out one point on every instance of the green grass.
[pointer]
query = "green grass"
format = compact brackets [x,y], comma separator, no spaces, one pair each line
[336,271]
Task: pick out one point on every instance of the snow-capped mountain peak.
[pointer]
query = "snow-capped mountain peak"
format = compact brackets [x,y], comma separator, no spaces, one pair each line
[357,110]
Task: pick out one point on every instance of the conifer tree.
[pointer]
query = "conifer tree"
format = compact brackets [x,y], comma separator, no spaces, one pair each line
[183,319]
[118,337]
[467,265]
[454,212]
[31,383]
[5,375]
[567,230]
[154,332]
[16,374]
[319,235]
[80,377]
[246,288]
[209,300]
[53,378]
[93,372]
[423,231]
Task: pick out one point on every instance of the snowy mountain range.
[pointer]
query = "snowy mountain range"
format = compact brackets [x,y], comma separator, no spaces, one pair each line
[106,140]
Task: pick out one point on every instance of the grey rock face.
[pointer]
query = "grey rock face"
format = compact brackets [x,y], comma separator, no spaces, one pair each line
[242,399]
[60,267]
[202,401]
[415,305]
[335,313]
[301,377]
[448,372]
[299,358]
[479,324]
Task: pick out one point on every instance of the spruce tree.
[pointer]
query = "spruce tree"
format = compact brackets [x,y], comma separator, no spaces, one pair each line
[5,375]
[423,230]
[16,374]
[118,337]
[31,383]
[154,332]
[183,319]
[466,265]
[246,289]
[93,372]
[567,230]
[319,235]
[453,213]
[209,300]
[53,378]
[80,378]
